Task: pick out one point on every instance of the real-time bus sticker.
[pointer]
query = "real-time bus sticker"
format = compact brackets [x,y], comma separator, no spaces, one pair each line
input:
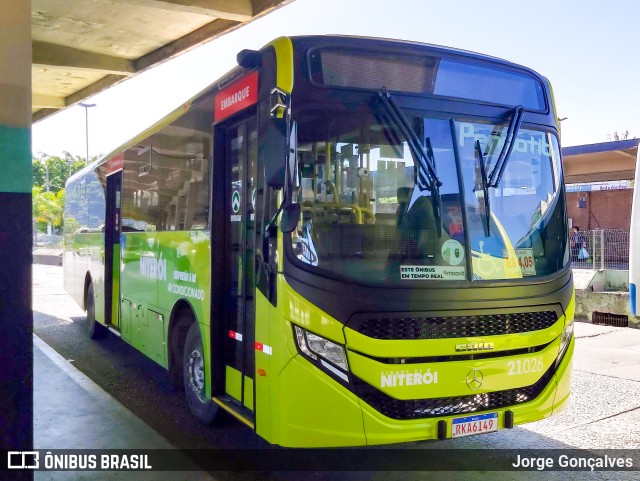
[421,273]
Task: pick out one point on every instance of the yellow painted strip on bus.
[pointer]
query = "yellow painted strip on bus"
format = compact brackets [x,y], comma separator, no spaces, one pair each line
[553,106]
[284,63]
[236,415]
[248,393]
[233,383]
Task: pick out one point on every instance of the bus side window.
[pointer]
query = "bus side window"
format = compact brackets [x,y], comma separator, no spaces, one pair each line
[167,177]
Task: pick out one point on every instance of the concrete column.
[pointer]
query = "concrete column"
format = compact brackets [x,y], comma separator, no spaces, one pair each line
[16,320]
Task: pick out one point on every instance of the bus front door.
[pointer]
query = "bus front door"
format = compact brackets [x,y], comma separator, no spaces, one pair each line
[112,249]
[241,170]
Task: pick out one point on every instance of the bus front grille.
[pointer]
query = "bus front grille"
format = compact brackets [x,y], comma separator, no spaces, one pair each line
[397,327]
[438,407]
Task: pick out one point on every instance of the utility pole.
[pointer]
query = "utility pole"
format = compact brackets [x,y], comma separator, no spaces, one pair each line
[86,123]
[46,183]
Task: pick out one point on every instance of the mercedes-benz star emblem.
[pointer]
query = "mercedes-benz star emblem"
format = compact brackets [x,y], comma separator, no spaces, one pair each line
[474,379]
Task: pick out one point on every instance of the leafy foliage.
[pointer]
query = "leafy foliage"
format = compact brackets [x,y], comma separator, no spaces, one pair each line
[48,207]
[60,169]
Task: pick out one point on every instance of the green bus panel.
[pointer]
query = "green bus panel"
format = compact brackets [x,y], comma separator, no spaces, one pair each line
[158,269]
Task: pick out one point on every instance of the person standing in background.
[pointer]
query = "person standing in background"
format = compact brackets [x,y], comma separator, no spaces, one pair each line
[576,242]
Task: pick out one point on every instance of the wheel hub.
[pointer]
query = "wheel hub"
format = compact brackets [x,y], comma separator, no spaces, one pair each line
[196,372]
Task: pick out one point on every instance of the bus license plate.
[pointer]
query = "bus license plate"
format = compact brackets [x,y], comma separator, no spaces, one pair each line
[482,423]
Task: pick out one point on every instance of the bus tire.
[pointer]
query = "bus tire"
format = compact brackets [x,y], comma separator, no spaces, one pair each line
[179,328]
[194,377]
[96,330]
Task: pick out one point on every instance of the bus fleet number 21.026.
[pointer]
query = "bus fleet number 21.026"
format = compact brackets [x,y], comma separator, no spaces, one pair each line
[525,366]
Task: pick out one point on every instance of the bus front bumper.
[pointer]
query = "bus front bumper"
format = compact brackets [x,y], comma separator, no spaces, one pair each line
[317,411]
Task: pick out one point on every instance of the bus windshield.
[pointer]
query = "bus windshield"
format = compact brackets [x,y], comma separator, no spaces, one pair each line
[368,218]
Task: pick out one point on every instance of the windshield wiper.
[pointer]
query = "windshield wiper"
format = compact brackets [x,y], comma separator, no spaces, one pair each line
[485,189]
[507,147]
[427,176]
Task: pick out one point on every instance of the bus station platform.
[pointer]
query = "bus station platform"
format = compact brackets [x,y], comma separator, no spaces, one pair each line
[72,412]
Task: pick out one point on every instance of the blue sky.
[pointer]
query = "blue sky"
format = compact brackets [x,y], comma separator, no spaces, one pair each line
[585,47]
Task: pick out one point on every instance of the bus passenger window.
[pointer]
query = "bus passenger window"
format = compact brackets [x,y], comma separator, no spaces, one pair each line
[166,179]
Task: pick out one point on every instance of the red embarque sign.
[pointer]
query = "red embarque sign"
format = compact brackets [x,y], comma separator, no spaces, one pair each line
[237,96]
[115,164]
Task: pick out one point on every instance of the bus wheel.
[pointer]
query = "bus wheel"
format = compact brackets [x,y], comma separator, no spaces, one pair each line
[194,378]
[96,330]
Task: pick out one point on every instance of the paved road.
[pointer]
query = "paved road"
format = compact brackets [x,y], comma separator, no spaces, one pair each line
[604,411]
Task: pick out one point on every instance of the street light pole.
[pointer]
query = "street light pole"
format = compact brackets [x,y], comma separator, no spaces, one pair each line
[86,123]
[46,183]
[560,120]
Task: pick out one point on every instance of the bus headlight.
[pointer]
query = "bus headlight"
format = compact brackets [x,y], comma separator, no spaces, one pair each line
[565,340]
[319,348]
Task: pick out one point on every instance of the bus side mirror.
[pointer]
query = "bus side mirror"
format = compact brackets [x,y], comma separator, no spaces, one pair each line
[292,148]
[266,279]
[274,152]
[290,218]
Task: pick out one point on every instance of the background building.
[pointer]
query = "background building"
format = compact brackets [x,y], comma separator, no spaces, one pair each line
[599,179]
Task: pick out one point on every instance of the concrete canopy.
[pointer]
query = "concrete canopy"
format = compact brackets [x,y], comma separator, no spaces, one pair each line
[81,47]
[600,162]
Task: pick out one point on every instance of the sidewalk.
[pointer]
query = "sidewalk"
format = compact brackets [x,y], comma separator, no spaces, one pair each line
[72,412]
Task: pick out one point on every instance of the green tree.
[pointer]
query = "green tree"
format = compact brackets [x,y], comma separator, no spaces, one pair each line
[620,136]
[48,207]
[60,169]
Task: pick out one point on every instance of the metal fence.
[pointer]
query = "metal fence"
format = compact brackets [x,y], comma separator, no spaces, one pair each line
[605,249]
[53,241]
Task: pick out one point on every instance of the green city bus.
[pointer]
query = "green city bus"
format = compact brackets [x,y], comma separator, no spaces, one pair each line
[344,241]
